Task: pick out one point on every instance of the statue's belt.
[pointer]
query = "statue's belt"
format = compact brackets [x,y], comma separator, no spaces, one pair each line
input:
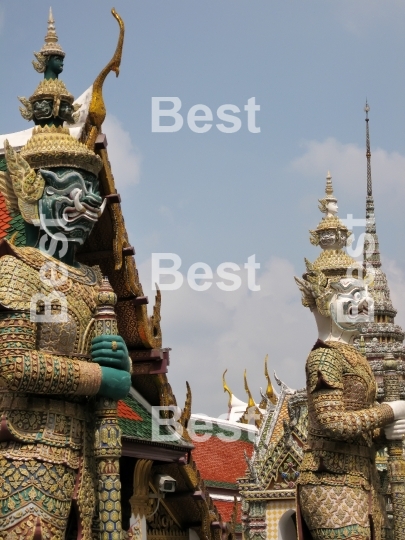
[342,448]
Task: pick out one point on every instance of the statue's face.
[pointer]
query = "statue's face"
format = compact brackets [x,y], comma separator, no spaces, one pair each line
[43,109]
[351,304]
[70,205]
[66,111]
[55,64]
[332,208]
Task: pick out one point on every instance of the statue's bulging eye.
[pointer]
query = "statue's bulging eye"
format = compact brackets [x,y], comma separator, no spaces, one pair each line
[50,191]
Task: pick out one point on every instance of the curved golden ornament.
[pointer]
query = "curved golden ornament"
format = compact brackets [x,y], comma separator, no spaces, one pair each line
[97,110]
[226,388]
[269,390]
[251,402]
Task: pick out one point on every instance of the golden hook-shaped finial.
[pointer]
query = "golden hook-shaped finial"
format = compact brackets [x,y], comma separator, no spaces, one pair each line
[97,110]
[269,390]
[226,388]
[251,402]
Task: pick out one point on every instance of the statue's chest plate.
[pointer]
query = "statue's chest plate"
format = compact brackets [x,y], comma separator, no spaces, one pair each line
[63,298]
[359,386]
[73,334]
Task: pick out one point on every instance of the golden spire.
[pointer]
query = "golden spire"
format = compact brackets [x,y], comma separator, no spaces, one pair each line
[50,47]
[226,388]
[269,390]
[51,38]
[251,402]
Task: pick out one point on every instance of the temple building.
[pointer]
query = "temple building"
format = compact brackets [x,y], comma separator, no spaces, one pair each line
[224,446]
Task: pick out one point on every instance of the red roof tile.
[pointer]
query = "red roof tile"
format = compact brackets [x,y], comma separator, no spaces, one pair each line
[124,411]
[225,508]
[221,461]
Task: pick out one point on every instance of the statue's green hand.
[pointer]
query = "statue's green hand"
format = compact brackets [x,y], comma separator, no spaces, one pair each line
[115,383]
[110,351]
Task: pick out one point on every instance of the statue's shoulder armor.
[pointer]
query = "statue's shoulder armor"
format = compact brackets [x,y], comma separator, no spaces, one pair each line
[19,282]
[324,368]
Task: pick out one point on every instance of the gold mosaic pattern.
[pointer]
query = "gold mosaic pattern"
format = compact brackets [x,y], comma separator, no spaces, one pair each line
[49,440]
[55,147]
[341,505]
[26,503]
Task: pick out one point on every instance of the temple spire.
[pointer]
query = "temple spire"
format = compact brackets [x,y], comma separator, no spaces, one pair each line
[368,153]
[371,252]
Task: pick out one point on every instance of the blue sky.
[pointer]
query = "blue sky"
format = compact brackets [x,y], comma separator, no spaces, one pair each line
[218,197]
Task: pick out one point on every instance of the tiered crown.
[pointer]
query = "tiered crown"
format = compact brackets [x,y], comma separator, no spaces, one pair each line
[332,236]
[51,144]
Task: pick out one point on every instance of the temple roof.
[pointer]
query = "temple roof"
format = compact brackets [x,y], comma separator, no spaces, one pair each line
[220,457]
[273,467]
[135,420]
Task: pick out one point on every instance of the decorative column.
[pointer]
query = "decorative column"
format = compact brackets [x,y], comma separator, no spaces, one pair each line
[108,433]
[396,462]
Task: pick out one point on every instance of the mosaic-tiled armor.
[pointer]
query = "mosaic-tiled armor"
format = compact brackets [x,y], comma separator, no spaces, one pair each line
[338,485]
[46,380]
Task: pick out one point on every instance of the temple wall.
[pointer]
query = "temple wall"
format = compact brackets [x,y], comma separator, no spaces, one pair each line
[274,512]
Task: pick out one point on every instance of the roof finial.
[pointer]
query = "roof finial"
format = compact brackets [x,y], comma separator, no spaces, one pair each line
[226,388]
[251,402]
[269,390]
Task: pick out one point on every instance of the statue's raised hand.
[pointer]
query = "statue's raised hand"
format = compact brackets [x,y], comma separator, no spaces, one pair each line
[111,353]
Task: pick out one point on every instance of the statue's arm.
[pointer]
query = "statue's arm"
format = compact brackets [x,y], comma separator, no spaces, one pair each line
[325,384]
[25,369]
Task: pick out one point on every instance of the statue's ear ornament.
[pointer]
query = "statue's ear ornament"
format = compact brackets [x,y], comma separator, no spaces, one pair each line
[27,111]
[27,185]
[40,62]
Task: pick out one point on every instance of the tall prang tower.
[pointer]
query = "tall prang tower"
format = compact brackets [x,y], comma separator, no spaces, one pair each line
[382,336]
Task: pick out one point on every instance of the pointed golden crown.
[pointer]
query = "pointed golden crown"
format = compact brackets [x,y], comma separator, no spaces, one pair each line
[332,236]
[333,263]
[51,46]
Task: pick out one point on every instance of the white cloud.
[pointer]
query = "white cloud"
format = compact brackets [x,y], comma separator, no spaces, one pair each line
[124,156]
[347,163]
[214,330]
